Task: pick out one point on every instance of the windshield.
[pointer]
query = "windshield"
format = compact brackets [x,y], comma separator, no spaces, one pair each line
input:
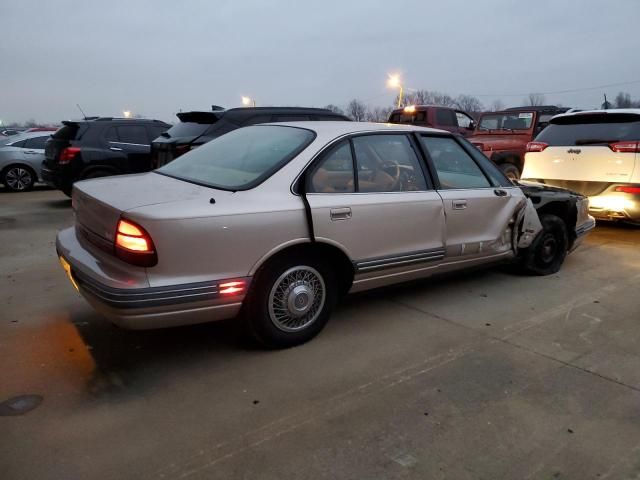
[506,121]
[591,130]
[241,159]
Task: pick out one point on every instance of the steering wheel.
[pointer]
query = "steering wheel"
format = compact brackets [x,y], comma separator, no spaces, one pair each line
[397,177]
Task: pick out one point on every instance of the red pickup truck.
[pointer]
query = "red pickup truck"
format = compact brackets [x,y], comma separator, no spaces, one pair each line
[444,118]
[503,136]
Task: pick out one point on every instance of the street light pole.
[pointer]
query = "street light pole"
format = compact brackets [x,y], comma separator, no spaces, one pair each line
[394,82]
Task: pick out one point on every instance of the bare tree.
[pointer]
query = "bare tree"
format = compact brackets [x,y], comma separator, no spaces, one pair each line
[496,106]
[334,109]
[535,99]
[378,114]
[427,97]
[469,103]
[623,100]
[356,110]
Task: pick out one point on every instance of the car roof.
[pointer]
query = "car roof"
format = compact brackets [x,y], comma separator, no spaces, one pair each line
[242,113]
[632,111]
[21,136]
[337,128]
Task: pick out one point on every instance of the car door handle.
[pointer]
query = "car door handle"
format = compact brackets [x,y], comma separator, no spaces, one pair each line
[340,213]
[31,152]
[115,149]
[459,204]
[500,193]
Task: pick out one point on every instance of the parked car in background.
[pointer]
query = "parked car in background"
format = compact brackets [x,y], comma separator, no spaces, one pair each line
[503,136]
[197,128]
[277,221]
[8,132]
[444,118]
[42,129]
[21,159]
[596,153]
[99,147]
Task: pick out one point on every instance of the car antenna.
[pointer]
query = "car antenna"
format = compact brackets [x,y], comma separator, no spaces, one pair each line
[81,111]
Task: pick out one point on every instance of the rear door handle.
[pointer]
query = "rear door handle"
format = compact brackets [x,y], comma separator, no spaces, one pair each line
[500,193]
[459,204]
[115,149]
[340,213]
[31,152]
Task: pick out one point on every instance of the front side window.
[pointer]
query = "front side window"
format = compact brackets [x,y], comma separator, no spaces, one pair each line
[455,168]
[334,173]
[464,121]
[387,163]
[240,159]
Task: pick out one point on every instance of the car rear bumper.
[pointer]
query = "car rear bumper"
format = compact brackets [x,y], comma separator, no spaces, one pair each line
[611,205]
[121,293]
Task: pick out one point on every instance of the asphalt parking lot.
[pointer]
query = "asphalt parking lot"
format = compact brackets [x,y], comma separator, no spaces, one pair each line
[483,375]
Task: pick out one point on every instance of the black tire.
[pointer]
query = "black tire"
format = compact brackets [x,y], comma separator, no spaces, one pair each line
[549,249]
[18,178]
[277,327]
[510,170]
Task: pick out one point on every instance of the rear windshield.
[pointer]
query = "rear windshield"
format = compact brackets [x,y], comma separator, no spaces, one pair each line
[241,159]
[591,129]
[405,117]
[506,121]
[67,132]
[192,124]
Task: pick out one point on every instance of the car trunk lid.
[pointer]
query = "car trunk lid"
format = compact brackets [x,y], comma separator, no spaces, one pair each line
[99,203]
[64,137]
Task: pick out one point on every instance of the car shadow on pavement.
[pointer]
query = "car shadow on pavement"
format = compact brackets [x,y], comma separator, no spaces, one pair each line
[129,362]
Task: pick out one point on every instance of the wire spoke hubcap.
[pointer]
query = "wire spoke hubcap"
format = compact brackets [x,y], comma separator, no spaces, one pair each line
[18,178]
[297,298]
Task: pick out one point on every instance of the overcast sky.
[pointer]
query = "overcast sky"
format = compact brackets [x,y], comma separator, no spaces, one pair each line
[157,57]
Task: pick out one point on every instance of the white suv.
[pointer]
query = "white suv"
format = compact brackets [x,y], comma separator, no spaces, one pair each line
[596,153]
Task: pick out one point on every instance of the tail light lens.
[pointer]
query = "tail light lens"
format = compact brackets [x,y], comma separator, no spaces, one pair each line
[134,245]
[628,189]
[68,154]
[180,149]
[625,147]
[536,146]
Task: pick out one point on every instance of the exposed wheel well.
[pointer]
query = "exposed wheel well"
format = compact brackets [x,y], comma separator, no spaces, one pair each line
[512,158]
[566,211]
[324,252]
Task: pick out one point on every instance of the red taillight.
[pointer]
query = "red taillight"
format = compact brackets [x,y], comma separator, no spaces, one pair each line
[625,147]
[229,288]
[180,149]
[68,154]
[134,245]
[536,146]
[628,189]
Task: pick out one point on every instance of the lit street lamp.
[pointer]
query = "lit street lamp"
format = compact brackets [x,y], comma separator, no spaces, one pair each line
[246,101]
[394,82]
[127,114]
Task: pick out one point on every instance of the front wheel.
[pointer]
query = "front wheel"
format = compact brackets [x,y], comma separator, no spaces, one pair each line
[291,302]
[510,171]
[549,249]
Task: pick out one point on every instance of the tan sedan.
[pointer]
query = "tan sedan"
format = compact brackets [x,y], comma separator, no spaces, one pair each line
[276,221]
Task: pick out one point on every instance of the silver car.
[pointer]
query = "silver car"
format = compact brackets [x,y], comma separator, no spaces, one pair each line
[21,159]
[276,221]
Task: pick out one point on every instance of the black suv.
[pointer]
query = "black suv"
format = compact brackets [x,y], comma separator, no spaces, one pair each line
[196,128]
[98,147]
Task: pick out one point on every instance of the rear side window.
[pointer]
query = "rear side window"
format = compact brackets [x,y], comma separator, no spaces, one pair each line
[19,144]
[240,159]
[334,174]
[36,142]
[258,119]
[597,129]
[135,134]
[155,131]
[446,118]
[455,167]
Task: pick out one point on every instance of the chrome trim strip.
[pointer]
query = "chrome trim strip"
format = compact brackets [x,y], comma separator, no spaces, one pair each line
[124,298]
[399,260]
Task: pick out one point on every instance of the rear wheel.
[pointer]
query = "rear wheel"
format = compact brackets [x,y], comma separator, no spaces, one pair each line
[18,178]
[510,171]
[549,249]
[290,302]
